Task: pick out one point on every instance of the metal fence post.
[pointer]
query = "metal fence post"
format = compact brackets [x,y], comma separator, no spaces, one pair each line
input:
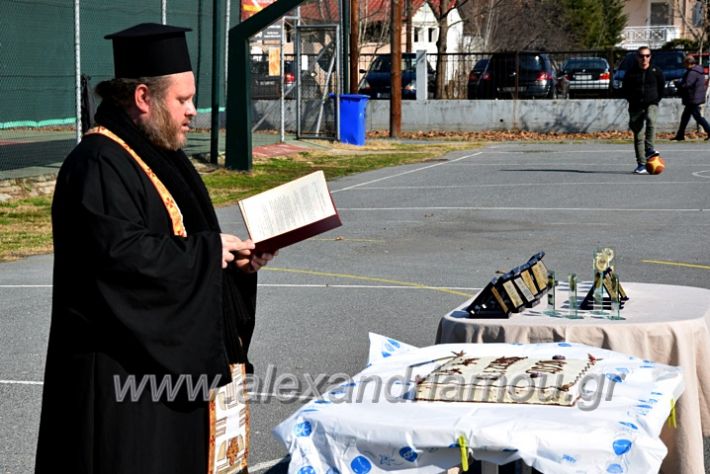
[77,66]
[422,75]
[216,74]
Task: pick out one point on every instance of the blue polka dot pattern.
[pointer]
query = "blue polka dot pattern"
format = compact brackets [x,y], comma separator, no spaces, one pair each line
[307,470]
[303,429]
[360,465]
[621,446]
[614,469]
[408,454]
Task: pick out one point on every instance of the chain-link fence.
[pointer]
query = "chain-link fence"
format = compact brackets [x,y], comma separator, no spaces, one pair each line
[40,62]
[44,63]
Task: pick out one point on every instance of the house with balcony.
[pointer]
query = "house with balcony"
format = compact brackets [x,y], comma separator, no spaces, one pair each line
[653,23]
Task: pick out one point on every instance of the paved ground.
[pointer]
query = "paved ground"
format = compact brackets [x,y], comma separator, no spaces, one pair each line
[450,224]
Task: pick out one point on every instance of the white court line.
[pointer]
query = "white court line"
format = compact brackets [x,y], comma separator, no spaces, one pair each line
[546,209]
[550,152]
[596,152]
[702,174]
[347,188]
[600,165]
[20,382]
[308,285]
[377,287]
[517,185]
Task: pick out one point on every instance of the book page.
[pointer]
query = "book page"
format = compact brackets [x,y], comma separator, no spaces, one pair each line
[287,207]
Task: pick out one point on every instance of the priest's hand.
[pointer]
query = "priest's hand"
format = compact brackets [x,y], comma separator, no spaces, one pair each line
[258,261]
[233,248]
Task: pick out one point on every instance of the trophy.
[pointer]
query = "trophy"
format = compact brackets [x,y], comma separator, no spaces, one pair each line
[606,290]
[615,295]
[573,309]
[551,296]
[601,265]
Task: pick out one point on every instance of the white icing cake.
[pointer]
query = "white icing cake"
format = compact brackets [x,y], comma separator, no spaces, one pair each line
[554,381]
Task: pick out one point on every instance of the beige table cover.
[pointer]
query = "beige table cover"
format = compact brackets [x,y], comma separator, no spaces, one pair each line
[663,323]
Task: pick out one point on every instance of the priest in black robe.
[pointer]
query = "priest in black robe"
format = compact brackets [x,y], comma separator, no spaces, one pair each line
[146,286]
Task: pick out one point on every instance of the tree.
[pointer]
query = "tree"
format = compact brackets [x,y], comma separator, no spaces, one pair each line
[594,24]
[441,10]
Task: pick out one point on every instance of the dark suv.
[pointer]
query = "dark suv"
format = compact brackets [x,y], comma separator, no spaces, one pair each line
[670,61]
[523,75]
[377,81]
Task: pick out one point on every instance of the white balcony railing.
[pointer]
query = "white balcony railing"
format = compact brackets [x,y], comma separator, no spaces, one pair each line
[651,36]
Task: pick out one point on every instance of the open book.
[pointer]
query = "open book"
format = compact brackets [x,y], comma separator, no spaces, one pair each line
[289,213]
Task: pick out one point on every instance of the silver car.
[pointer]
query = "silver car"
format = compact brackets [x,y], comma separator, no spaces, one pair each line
[589,76]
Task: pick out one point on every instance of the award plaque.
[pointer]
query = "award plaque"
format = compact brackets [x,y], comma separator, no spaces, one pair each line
[528,279]
[540,272]
[499,300]
[524,290]
[513,295]
[520,288]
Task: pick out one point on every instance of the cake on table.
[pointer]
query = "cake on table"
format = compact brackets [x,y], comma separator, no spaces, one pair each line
[506,379]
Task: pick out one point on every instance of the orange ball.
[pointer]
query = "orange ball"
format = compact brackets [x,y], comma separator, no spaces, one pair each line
[655,165]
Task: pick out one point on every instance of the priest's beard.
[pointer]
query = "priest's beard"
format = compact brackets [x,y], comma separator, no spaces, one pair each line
[162,130]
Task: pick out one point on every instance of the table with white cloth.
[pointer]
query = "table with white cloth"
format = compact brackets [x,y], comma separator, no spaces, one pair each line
[372,424]
[663,323]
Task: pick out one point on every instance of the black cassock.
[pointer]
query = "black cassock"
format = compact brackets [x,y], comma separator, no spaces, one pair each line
[133,301]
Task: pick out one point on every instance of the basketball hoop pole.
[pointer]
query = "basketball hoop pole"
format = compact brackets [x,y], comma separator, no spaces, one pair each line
[238,153]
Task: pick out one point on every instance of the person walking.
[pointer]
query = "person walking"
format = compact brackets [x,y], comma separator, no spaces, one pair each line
[642,87]
[153,305]
[692,91]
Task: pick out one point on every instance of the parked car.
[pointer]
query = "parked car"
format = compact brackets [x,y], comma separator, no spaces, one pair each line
[588,76]
[377,81]
[525,75]
[478,70]
[266,86]
[670,61]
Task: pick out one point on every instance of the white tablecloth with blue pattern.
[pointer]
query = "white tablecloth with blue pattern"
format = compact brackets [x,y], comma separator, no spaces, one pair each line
[361,428]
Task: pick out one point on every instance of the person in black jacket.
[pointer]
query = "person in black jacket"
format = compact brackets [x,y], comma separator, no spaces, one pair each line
[692,88]
[642,87]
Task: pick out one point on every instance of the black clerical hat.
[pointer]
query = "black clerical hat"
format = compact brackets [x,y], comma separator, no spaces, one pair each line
[149,50]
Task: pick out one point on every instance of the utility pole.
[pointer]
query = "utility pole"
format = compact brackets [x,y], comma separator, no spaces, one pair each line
[408,13]
[396,71]
[354,45]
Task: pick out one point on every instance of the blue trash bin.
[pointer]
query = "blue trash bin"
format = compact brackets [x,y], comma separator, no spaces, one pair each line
[352,118]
